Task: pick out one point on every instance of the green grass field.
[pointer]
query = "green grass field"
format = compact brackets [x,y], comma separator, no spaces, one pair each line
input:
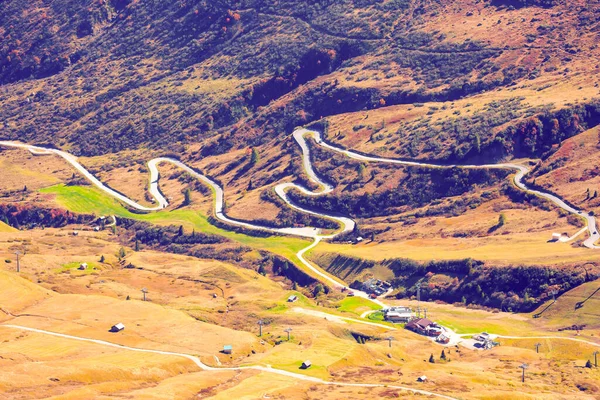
[90,200]
[72,268]
[357,305]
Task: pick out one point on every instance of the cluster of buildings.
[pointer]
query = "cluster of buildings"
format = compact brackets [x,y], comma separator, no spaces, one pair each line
[484,341]
[422,326]
[375,286]
[426,327]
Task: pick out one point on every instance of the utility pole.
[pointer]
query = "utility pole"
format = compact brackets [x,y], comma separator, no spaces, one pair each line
[389,339]
[260,325]
[288,330]
[425,312]
[144,291]
[523,367]
[596,358]
[418,299]
[537,347]
[18,253]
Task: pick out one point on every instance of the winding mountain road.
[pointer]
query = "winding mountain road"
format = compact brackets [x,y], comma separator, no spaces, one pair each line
[521,171]
[347,224]
[299,135]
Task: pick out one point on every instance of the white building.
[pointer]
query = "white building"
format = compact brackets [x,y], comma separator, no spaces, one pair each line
[398,314]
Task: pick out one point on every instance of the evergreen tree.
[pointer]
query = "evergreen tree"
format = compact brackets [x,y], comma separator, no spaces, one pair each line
[431,359]
[443,355]
[122,253]
[102,258]
[501,220]
[187,197]
[361,171]
[137,245]
[588,364]
[180,232]
[477,143]
[294,285]
[255,157]
[262,270]
[318,289]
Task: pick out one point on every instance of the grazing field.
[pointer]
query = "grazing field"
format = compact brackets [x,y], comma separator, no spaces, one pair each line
[5,228]
[91,200]
[183,315]
[526,249]
[579,306]
[21,168]
[356,305]
[34,364]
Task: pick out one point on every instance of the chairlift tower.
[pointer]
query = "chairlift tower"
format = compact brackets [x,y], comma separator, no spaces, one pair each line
[288,330]
[523,367]
[389,339]
[18,253]
[260,325]
[144,291]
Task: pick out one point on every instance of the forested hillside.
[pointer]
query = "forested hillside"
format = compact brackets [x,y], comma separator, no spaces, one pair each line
[448,81]
[102,76]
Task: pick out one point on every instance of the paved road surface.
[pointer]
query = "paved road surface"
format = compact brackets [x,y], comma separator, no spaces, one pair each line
[347,224]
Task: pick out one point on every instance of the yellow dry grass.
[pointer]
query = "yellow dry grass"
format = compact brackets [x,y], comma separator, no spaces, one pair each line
[20,168]
[258,386]
[17,294]
[5,228]
[523,248]
[148,325]
[556,90]
[35,365]
[578,306]
[573,178]
[201,384]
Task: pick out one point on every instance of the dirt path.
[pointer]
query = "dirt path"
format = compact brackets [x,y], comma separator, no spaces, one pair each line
[339,318]
[205,367]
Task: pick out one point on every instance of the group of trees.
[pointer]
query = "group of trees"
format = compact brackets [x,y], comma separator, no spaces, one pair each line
[509,288]
[164,236]
[419,188]
[287,216]
[29,216]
